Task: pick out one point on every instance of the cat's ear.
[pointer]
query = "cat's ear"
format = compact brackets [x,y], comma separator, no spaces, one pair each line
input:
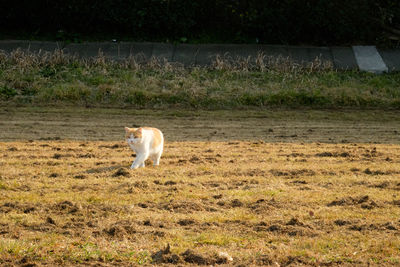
[139,129]
[127,129]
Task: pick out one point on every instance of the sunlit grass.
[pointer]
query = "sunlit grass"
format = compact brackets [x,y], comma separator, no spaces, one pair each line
[309,203]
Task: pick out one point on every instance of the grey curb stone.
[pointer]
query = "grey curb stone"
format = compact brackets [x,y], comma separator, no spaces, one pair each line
[392,58]
[369,59]
[163,51]
[343,58]
[185,54]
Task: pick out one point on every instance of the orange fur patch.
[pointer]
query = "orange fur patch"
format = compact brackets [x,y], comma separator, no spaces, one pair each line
[137,133]
[157,136]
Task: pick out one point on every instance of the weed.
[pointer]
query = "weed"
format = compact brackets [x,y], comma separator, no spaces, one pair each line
[7,92]
[45,78]
[3,186]
[143,257]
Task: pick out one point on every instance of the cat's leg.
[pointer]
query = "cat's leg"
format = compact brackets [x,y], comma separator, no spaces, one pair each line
[156,158]
[134,165]
[156,161]
[139,161]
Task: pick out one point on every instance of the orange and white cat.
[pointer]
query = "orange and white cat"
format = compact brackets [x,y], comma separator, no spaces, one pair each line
[147,143]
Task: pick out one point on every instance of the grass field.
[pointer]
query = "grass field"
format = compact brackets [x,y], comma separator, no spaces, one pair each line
[264,187]
[44,79]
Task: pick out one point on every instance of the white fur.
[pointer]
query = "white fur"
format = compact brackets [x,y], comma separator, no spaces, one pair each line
[143,148]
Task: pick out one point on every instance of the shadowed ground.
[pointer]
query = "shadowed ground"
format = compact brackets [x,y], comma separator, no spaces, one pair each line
[269,126]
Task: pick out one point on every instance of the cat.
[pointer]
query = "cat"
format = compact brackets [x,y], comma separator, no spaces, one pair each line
[147,143]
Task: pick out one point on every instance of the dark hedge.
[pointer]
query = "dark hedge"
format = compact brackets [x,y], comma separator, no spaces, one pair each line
[316,22]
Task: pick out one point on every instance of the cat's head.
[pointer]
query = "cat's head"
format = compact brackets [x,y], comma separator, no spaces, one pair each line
[133,135]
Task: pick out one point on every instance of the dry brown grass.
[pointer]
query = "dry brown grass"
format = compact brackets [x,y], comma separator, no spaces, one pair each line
[68,202]
[26,59]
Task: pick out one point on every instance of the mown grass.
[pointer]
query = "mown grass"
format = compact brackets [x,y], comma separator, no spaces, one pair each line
[68,202]
[55,78]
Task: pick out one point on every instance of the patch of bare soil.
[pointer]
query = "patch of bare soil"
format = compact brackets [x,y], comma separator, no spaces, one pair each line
[165,256]
[182,206]
[243,173]
[333,154]
[374,172]
[196,160]
[263,206]
[121,172]
[192,257]
[373,227]
[293,227]
[120,230]
[293,173]
[189,256]
[364,201]
[381,185]
[185,222]
[115,146]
